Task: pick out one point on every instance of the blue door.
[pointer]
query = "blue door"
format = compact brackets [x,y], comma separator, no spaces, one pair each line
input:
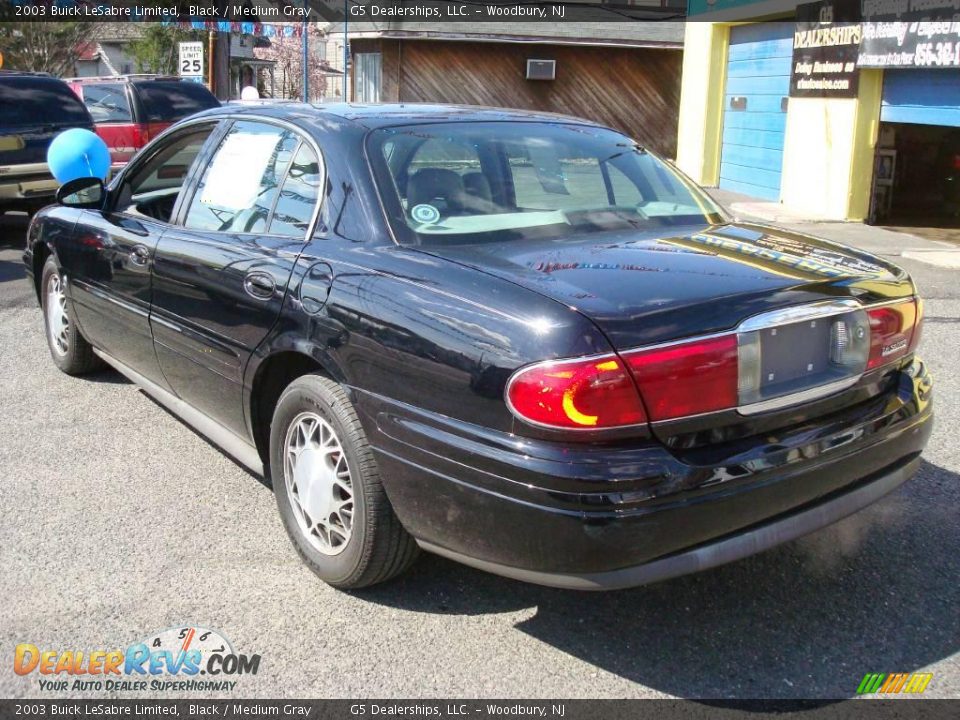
[755,108]
[925,97]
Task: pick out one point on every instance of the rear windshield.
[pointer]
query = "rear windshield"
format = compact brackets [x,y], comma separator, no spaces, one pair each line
[39,101]
[496,181]
[173,100]
[107,102]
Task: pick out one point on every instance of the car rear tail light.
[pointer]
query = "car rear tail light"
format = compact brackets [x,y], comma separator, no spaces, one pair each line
[894,332]
[758,367]
[584,394]
[687,378]
[145,132]
[141,135]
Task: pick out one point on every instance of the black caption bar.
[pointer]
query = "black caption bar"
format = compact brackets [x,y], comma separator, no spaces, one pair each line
[485,709]
[285,11]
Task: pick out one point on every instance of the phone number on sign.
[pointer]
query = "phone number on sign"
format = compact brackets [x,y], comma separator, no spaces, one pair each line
[941,54]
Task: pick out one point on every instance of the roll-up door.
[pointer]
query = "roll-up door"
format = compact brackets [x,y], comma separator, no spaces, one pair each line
[923,97]
[755,108]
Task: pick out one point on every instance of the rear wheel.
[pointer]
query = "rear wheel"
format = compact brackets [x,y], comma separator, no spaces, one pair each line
[328,488]
[68,348]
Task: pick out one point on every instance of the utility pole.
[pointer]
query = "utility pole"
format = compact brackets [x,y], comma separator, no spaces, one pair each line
[211,47]
[346,46]
[305,60]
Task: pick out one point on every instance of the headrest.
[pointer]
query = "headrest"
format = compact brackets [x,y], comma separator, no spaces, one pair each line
[439,187]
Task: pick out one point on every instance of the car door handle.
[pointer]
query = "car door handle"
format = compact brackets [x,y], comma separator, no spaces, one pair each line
[140,255]
[260,285]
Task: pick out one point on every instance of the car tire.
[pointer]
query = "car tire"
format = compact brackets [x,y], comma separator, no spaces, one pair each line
[328,488]
[69,349]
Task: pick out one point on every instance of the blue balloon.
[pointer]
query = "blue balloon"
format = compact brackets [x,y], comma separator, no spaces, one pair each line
[78,153]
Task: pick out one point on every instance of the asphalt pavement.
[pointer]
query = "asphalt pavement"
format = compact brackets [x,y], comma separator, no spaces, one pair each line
[119,521]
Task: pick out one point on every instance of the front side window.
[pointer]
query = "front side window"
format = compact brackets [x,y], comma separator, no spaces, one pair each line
[496,181]
[241,183]
[151,188]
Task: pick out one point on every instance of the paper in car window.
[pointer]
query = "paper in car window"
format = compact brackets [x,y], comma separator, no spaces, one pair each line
[237,171]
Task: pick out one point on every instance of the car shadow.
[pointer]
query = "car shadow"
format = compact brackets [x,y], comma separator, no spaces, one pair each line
[264,481]
[11,271]
[873,593]
[107,376]
[13,229]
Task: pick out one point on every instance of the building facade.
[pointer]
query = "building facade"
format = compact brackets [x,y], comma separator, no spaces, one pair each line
[830,113]
[623,74]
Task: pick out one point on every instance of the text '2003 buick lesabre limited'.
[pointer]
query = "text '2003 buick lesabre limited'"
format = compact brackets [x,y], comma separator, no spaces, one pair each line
[521,341]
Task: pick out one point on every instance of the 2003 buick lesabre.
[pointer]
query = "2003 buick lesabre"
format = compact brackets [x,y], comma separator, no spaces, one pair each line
[517,340]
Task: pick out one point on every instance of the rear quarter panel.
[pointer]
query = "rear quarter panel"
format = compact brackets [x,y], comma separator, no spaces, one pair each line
[421,331]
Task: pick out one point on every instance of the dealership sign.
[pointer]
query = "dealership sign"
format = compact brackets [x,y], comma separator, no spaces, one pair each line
[910,34]
[826,43]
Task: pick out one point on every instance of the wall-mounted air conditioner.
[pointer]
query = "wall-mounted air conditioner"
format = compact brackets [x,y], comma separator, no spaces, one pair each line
[541,69]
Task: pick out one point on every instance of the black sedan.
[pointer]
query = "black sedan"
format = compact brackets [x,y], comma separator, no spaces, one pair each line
[517,340]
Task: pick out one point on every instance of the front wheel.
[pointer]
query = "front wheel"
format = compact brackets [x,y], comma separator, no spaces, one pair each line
[328,488]
[68,348]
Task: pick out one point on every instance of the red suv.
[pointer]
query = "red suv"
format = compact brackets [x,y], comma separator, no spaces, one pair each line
[130,110]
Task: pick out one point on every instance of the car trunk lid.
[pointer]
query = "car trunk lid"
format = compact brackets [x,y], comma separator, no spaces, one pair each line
[646,289]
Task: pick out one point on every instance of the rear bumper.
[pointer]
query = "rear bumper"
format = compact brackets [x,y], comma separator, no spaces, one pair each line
[26,183]
[711,554]
[611,515]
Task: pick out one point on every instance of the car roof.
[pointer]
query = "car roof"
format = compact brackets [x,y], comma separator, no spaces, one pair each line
[29,77]
[374,116]
[136,79]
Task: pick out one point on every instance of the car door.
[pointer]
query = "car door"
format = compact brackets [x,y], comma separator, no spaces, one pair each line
[220,277]
[110,258]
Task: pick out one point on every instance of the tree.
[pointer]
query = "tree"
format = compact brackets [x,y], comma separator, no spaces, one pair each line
[287,53]
[52,47]
[157,49]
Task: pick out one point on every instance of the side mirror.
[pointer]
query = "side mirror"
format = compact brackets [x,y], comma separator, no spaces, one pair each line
[84,192]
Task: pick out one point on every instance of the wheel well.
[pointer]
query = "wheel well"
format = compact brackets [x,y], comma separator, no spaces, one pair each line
[273,376]
[41,252]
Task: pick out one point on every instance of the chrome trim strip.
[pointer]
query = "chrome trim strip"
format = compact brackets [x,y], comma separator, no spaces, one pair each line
[784,401]
[101,294]
[231,443]
[711,554]
[798,313]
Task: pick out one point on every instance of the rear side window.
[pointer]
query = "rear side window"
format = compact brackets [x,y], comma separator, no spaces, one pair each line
[33,101]
[173,100]
[298,195]
[240,185]
[107,103]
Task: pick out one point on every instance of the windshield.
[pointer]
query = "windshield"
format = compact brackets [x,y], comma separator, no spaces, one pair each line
[496,181]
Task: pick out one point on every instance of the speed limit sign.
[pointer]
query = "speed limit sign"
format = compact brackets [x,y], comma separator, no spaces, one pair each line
[191,59]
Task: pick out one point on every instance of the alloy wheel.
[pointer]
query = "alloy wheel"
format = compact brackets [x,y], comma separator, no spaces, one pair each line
[58,320]
[319,483]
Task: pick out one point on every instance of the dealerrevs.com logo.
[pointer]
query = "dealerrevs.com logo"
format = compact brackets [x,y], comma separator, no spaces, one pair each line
[186,658]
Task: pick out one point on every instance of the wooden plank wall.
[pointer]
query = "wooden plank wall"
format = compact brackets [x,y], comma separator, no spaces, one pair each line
[636,90]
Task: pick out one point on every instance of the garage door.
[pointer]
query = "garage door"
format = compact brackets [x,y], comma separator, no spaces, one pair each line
[925,97]
[755,110]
